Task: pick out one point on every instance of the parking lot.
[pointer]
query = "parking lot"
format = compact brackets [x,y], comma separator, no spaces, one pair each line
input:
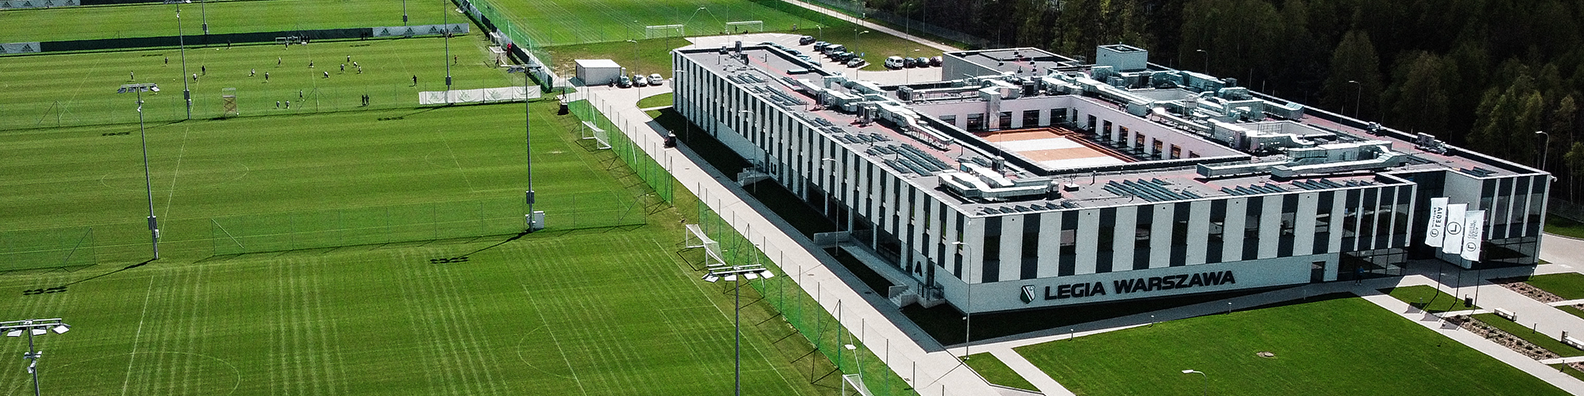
[888,77]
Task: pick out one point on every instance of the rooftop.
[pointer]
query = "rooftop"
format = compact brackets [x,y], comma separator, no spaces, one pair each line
[1251,143]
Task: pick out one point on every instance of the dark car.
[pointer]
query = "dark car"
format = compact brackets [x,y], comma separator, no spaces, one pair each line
[936,61]
[921,61]
[820,46]
[909,62]
[805,40]
[624,82]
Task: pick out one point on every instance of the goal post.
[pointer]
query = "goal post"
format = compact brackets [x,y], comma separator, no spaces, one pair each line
[745,27]
[600,136]
[663,31]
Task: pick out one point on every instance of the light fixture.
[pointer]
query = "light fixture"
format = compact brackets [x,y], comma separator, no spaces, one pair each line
[14,333]
[62,329]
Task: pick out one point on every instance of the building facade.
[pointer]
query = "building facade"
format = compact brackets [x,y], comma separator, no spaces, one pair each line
[1036,180]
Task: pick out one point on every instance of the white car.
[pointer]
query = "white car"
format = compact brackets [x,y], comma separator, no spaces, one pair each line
[640,81]
[654,79]
[893,62]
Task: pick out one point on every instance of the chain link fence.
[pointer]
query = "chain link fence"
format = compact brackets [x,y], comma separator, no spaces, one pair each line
[51,248]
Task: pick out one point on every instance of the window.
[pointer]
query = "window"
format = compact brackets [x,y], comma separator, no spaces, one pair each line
[1156,148]
[976,122]
[1176,152]
[950,119]
[1030,118]
[1004,120]
[1122,135]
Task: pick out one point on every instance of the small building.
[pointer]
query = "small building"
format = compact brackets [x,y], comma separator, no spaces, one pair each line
[598,71]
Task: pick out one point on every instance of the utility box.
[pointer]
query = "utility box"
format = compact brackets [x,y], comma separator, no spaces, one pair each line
[1122,57]
[598,71]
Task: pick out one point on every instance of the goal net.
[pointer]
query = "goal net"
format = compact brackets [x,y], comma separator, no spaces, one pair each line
[600,136]
[662,31]
[745,26]
[696,238]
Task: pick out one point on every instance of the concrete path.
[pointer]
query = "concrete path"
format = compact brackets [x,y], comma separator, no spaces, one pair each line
[885,332]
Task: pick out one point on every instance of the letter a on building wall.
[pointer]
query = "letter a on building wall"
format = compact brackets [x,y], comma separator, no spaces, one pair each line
[1473,232]
[1435,232]
[1454,229]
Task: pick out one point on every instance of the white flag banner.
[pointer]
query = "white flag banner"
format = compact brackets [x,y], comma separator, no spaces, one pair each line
[1454,229]
[1473,233]
[1435,233]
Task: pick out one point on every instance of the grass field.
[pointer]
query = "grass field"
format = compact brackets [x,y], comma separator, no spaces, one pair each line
[1528,334]
[996,372]
[1339,346]
[155,19]
[1564,226]
[563,22]
[1569,285]
[1427,298]
[80,89]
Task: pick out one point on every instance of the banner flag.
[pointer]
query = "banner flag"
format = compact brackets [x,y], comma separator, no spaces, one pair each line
[1434,233]
[1454,229]
[1473,232]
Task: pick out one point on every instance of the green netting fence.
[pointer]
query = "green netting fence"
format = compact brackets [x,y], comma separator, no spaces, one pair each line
[588,109]
[503,22]
[47,248]
[804,313]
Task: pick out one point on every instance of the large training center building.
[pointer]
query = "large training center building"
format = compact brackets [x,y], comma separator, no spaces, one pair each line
[1034,180]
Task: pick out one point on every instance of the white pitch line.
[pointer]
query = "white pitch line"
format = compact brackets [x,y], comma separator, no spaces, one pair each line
[135,336]
[546,323]
[177,172]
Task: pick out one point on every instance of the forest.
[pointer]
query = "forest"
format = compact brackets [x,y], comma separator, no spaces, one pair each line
[1482,74]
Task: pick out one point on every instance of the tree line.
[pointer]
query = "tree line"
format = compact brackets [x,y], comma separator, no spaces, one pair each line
[1483,74]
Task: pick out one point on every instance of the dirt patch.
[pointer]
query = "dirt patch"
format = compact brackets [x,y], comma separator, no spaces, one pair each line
[1518,285]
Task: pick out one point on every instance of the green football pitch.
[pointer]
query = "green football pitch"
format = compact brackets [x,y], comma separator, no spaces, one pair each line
[1336,346]
[238,16]
[563,22]
[80,88]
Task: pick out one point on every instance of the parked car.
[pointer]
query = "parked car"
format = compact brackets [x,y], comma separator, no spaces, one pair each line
[936,61]
[819,46]
[805,40]
[624,82]
[836,48]
[909,62]
[654,79]
[921,61]
[856,62]
[893,62]
[640,81]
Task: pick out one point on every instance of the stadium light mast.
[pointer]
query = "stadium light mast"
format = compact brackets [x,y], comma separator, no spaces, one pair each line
[203,13]
[735,275]
[404,12]
[527,143]
[181,43]
[1206,379]
[446,20]
[153,223]
[33,327]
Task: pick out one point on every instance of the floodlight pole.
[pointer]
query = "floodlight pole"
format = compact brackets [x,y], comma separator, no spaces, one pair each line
[737,274]
[446,20]
[181,43]
[404,12]
[1206,379]
[148,186]
[528,148]
[1358,97]
[203,13]
[13,328]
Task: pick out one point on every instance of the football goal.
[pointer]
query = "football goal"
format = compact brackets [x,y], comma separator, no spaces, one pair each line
[600,136]
[663,31]
[745,27]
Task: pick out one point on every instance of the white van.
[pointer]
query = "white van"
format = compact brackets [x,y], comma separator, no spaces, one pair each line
[894,62]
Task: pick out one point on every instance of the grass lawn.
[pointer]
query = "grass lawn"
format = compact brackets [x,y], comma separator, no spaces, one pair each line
[1569,370]
[996,372]
[1340,346]
[1427,298]
[1572,310]
[655,101]
[1564,226]
[1569,285]
[80,88]
[563,22]
[1528,334]
[554,312]
[155,19]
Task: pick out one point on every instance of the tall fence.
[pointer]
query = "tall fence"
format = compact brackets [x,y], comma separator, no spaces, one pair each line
[502,22]
[830,335]
[593,110]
